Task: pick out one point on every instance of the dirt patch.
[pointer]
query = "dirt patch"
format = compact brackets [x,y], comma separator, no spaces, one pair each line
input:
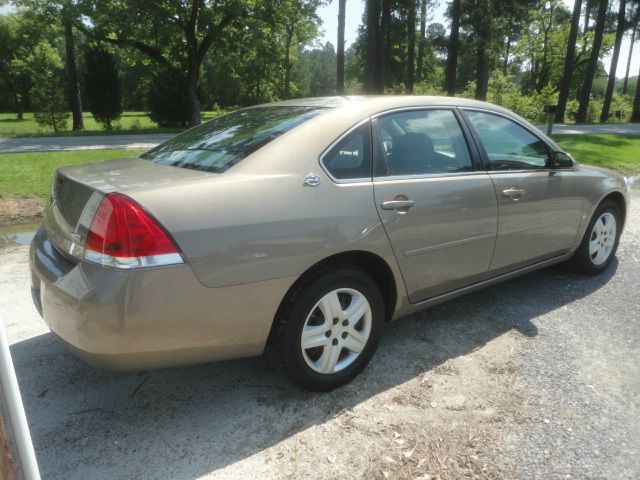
[18,210]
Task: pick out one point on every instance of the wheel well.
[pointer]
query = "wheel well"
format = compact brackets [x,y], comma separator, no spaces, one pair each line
[370,263]
[618,199]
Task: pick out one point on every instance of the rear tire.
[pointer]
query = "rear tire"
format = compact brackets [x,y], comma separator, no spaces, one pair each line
[600,241]
[328,328]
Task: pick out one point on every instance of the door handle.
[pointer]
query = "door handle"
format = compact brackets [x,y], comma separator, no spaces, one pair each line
[513,192]
[400,205]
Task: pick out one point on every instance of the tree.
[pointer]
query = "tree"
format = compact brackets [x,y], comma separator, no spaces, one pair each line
[614,61]
[411,45]
[373,45]
[421,39]
[590,72]
[569,60]
[340,49]
[20,32]
[66,13]
[635,19]
[299,21]
[635,113]
[47,95]
[75,99]
[102,85]
[177,35]
[453,47]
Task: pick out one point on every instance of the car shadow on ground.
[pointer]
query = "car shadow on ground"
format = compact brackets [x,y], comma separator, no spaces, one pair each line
[187,422]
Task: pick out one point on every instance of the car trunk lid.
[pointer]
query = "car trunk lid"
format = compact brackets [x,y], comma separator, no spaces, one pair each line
[77,192]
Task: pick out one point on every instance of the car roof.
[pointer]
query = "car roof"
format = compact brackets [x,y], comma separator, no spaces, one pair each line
[384,102]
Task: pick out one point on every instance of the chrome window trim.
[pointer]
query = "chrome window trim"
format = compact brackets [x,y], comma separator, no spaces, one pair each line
[428,176]
[336,142]
[413,108]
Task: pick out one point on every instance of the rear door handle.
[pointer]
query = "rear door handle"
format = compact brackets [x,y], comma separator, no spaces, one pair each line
[513,192]
[400,205]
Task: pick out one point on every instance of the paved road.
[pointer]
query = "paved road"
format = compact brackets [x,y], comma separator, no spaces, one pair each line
[97,142]
[622,129]
[102,142]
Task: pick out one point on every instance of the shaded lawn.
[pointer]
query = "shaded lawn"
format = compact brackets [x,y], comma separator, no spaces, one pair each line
[130,122]
[30,174]
[617,152]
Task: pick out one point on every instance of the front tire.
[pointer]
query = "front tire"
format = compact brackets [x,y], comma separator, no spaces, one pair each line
[600,241]
[328,328]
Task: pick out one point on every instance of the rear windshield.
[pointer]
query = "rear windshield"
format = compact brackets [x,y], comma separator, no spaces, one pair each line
[223,142]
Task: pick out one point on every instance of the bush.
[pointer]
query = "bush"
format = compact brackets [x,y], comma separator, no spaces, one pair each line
[47,96]
[102,86]
[168,100]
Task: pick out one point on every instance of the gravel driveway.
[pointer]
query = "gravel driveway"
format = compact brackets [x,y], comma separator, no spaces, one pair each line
[538,377]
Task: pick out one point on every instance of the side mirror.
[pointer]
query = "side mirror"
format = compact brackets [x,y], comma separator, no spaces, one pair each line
[562,160]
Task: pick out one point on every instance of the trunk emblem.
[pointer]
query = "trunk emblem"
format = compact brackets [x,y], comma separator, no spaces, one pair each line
[312,180]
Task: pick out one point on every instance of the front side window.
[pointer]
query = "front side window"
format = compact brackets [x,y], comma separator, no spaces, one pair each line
[223,142]
[351,158]
[508,145]
[421,142]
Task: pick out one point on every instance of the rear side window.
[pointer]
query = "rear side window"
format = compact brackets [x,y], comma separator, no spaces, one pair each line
[421,142]
[508,145]
[223,142]
[351,157]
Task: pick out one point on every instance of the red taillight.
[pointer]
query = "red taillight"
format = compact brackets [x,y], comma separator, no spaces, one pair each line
[124,235]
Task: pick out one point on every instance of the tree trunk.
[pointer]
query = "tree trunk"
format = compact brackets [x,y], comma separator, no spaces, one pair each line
[340,48]
[384,46]
[287,63]
[482,71]
[75,101]
[484,32]
[585,94]
[411,46]
[192,93]
[635,114]
[568,63]
[505,62]
[606,106]
[452,50]
[421,40]
[373,34]
[625,86]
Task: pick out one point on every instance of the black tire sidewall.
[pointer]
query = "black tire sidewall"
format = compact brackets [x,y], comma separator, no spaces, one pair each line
[293,361]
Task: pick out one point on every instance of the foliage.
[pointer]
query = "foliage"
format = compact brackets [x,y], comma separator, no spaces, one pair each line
[47,95]
[168,100]
[102,86]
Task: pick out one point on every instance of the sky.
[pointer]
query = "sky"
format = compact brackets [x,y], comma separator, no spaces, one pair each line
[355,8]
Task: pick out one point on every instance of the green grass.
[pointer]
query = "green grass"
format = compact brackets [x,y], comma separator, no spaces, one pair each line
[129,123]
[617,152]
[30,174]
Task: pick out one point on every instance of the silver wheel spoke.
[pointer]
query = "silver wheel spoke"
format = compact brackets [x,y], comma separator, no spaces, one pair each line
[594,245]
[330,306]
[329,358]
[314,336]
[355,341]
[355,314]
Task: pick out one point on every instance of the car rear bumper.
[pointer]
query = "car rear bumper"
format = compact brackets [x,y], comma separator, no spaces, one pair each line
[151,317]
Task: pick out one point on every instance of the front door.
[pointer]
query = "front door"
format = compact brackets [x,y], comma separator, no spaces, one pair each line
[439,213]
[539,208]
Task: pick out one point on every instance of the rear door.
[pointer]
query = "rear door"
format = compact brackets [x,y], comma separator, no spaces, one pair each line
[539,208]
[439,212]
